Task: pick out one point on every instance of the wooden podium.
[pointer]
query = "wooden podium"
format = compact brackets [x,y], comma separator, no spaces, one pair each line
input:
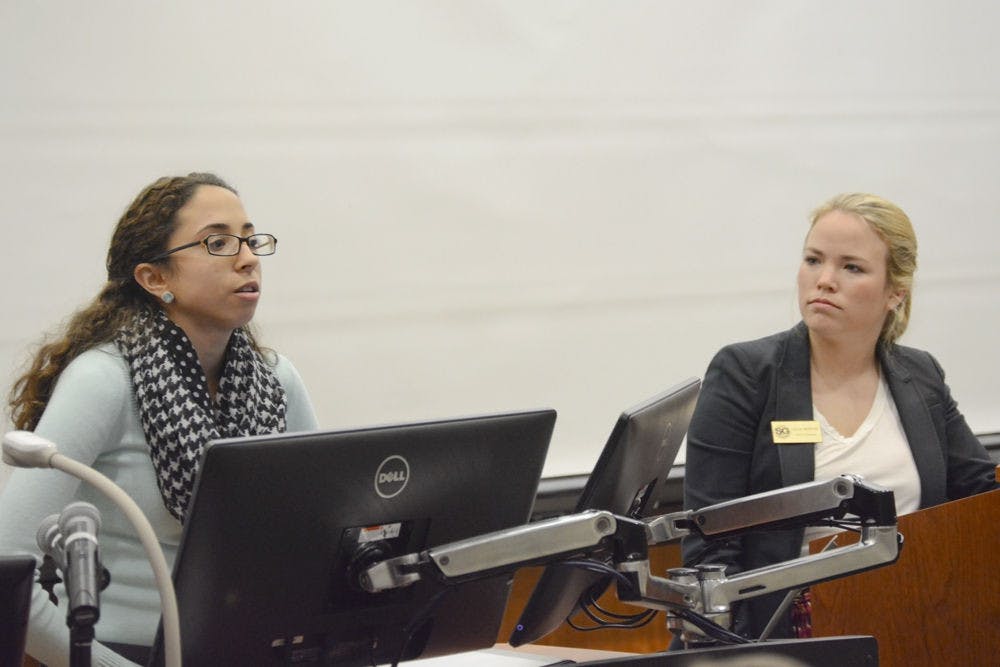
[939,604]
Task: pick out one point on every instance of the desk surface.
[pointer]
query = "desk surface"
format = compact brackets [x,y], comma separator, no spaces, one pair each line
[505,655]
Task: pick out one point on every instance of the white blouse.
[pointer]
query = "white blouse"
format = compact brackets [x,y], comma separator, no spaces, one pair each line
[878,451]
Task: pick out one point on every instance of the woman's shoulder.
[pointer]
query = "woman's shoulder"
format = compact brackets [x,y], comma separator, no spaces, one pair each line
[913,361]
[93,392]
[288,376]
[283,369]
[301,415]
[910,354]
[103,362]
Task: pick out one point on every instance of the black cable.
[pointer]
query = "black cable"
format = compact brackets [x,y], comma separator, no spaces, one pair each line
[603,626]
[711,628]
[639,621]
[593,603]
[607,612]
[419,618]
[703,623]
[706,625]
[625,621]
[599,568]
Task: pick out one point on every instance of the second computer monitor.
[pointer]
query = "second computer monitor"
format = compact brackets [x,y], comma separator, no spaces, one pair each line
[627,480]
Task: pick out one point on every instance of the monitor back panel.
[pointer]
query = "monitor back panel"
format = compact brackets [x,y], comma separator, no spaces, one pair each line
[17,577]
[263,575]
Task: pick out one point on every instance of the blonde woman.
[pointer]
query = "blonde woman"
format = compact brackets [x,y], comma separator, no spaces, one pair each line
[877,408]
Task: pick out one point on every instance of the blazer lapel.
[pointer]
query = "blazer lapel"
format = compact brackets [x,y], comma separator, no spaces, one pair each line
[920,432]
[793,402]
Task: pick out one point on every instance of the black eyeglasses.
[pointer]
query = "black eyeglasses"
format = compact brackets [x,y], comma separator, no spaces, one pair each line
[227,245]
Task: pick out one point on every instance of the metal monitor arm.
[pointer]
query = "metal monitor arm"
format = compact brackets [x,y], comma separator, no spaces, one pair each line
[709,592]
[624,543]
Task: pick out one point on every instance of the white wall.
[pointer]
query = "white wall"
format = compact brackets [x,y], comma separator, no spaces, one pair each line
[497,205]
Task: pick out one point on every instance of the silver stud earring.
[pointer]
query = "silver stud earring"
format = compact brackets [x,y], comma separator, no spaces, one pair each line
[168,297]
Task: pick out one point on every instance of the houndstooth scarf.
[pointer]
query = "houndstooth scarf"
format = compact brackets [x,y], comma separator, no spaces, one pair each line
[178,416]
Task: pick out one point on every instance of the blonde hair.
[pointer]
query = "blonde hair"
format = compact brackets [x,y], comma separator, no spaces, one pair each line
[894,228]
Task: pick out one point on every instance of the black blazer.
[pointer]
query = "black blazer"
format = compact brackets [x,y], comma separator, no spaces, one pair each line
[730,451]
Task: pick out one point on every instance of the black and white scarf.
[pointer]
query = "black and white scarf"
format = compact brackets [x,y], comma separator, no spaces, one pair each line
[177,413]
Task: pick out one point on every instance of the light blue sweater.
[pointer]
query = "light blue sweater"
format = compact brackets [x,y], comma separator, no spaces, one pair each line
[92,418]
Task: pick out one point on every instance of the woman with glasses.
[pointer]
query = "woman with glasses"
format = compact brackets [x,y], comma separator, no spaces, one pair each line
[159,363]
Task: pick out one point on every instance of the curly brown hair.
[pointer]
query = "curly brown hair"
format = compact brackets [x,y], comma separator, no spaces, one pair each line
[142,232]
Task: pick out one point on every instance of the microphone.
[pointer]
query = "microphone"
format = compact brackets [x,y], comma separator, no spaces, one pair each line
[49,540]
[24,449]
[79,524]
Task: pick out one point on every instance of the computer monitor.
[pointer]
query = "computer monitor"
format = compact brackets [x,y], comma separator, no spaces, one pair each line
[17,577]
[280,526]
[628,478]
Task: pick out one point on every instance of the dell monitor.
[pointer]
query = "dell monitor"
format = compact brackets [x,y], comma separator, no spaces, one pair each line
[280,527]
[627,480]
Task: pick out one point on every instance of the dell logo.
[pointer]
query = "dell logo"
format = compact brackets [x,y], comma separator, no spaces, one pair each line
[391,477]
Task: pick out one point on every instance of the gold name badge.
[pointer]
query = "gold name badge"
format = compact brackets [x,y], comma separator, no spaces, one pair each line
[794,433]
